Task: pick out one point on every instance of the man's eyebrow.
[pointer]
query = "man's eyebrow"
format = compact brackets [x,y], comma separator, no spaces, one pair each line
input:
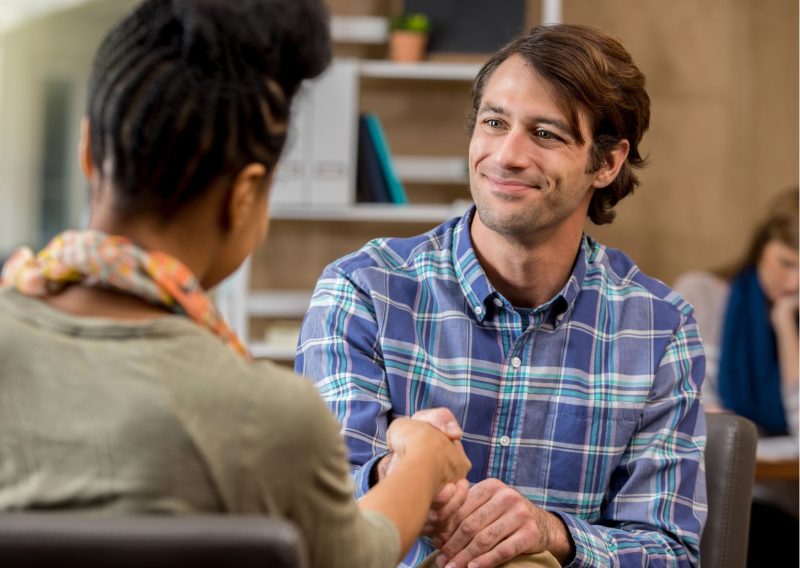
[560,124]
[497,109]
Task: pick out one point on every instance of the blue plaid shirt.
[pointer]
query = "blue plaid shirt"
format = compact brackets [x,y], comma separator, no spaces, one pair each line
[588,405]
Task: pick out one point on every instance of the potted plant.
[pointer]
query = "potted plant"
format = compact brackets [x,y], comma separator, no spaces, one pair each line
[408,37]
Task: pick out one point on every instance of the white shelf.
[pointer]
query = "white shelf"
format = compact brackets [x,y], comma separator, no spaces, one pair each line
[430,70]
[261,350]
[371,212]
[359,29]
[426,169]
[278,304]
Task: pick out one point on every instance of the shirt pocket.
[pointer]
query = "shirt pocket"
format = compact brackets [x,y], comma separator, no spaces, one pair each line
[573,453]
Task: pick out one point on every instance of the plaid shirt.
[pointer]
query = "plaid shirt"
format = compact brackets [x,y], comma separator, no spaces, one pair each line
[588,405]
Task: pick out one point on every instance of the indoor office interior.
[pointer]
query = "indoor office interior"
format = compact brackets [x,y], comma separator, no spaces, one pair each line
[722,76]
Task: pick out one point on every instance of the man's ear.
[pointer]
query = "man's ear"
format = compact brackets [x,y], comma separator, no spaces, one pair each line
[612,164]
[244,194]
[84,150]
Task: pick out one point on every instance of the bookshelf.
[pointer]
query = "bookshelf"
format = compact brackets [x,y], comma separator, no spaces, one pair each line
[262,313]
[426,70]
[372,212]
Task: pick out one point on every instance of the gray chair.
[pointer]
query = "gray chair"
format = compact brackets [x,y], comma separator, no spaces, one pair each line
[45,540]
[730,470]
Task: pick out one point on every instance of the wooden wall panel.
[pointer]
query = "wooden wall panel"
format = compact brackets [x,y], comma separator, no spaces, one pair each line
[722,75]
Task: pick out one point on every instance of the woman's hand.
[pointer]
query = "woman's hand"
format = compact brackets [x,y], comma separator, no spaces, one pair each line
[784,314]
[418,441]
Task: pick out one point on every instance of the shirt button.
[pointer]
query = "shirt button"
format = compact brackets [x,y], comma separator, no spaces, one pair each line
[516,362]
[498,302]
[478,310]
[505,441]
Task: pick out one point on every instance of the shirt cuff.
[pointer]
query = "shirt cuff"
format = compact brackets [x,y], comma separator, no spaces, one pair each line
[591,549]
[361,475]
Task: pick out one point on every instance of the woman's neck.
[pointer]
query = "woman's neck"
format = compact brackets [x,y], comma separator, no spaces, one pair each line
[101,302]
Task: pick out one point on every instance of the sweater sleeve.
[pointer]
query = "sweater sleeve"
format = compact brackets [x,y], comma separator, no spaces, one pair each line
[302,470]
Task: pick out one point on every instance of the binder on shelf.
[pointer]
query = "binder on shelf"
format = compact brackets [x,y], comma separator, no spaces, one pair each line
[371,186]
[319,163]
[397,194]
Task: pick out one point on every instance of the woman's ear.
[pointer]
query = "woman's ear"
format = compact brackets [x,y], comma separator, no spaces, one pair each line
[85,151]
[609,169]
[244,194]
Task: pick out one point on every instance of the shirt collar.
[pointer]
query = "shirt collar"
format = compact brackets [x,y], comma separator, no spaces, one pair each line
[479,292]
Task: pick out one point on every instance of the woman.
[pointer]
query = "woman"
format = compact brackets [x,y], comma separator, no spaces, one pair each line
[748,318]
[121,389]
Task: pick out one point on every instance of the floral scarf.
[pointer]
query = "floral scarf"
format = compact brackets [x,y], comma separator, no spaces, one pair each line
[93,258]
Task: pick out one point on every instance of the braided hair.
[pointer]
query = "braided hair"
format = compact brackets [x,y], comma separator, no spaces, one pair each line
[185,93]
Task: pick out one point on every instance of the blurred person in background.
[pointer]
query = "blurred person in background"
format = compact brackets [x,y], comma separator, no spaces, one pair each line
[748,319]
[122,391]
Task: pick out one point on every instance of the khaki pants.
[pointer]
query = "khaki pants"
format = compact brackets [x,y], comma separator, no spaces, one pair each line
[540,560]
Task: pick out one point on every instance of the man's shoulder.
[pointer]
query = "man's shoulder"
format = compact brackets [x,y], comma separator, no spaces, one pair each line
[624,281]
[400,253]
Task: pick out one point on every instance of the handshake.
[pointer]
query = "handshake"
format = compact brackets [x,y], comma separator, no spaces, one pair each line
[483,526]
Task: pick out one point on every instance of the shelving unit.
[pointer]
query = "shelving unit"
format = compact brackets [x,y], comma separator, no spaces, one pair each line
[372,212]
[426,70]
[237,299]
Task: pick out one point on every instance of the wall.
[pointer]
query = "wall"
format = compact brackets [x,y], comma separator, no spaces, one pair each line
[60,45]
[722,74]
[723,78]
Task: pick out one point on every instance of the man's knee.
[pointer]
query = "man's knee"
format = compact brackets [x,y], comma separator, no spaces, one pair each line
[540,560]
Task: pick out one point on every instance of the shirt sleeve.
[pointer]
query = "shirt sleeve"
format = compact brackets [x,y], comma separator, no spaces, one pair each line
[339,350]
[656,505]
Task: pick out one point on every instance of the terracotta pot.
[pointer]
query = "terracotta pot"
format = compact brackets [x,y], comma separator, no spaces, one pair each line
[407,46]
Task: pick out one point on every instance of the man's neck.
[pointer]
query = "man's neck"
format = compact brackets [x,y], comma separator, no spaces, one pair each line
[528,274]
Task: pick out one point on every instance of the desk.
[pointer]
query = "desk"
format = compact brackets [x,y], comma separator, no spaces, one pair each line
[787,470]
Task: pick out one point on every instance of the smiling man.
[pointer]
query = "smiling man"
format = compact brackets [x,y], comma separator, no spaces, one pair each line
[575,378]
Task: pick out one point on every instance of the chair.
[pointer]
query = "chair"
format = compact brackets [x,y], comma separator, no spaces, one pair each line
[730,470]
[39,540]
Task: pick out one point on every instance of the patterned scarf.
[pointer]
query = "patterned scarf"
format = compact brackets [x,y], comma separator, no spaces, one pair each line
[92,258]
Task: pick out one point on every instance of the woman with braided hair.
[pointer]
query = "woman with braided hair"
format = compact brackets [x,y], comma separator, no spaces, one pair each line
[122,391]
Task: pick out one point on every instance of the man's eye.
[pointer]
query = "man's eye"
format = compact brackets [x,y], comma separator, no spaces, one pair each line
[493,123]
[544,134]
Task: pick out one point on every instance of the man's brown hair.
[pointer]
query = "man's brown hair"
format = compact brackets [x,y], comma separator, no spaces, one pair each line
[592,71]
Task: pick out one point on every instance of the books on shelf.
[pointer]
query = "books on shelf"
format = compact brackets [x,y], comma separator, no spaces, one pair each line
[377,179]
[371,186]
[318,165]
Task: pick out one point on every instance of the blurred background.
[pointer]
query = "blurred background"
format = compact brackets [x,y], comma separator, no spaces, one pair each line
[722,76]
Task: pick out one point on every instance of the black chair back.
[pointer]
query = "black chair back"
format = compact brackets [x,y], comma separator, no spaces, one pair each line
[39,540]
[730,470]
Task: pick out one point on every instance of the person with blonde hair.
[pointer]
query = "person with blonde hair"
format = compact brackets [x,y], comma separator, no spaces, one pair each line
[748,319]
[122,390]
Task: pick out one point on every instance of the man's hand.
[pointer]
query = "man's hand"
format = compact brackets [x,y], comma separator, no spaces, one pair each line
[497,524]
[441,518]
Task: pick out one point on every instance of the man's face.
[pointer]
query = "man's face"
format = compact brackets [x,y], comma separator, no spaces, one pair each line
[527,171]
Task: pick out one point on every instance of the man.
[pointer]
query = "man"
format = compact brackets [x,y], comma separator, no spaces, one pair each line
[575,377]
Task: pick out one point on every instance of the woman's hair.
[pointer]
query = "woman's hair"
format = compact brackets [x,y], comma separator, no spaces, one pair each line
[779,224]
[185,93]
[590,69]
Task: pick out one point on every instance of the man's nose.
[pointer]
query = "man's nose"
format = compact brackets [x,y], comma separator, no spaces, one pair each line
[514,150]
